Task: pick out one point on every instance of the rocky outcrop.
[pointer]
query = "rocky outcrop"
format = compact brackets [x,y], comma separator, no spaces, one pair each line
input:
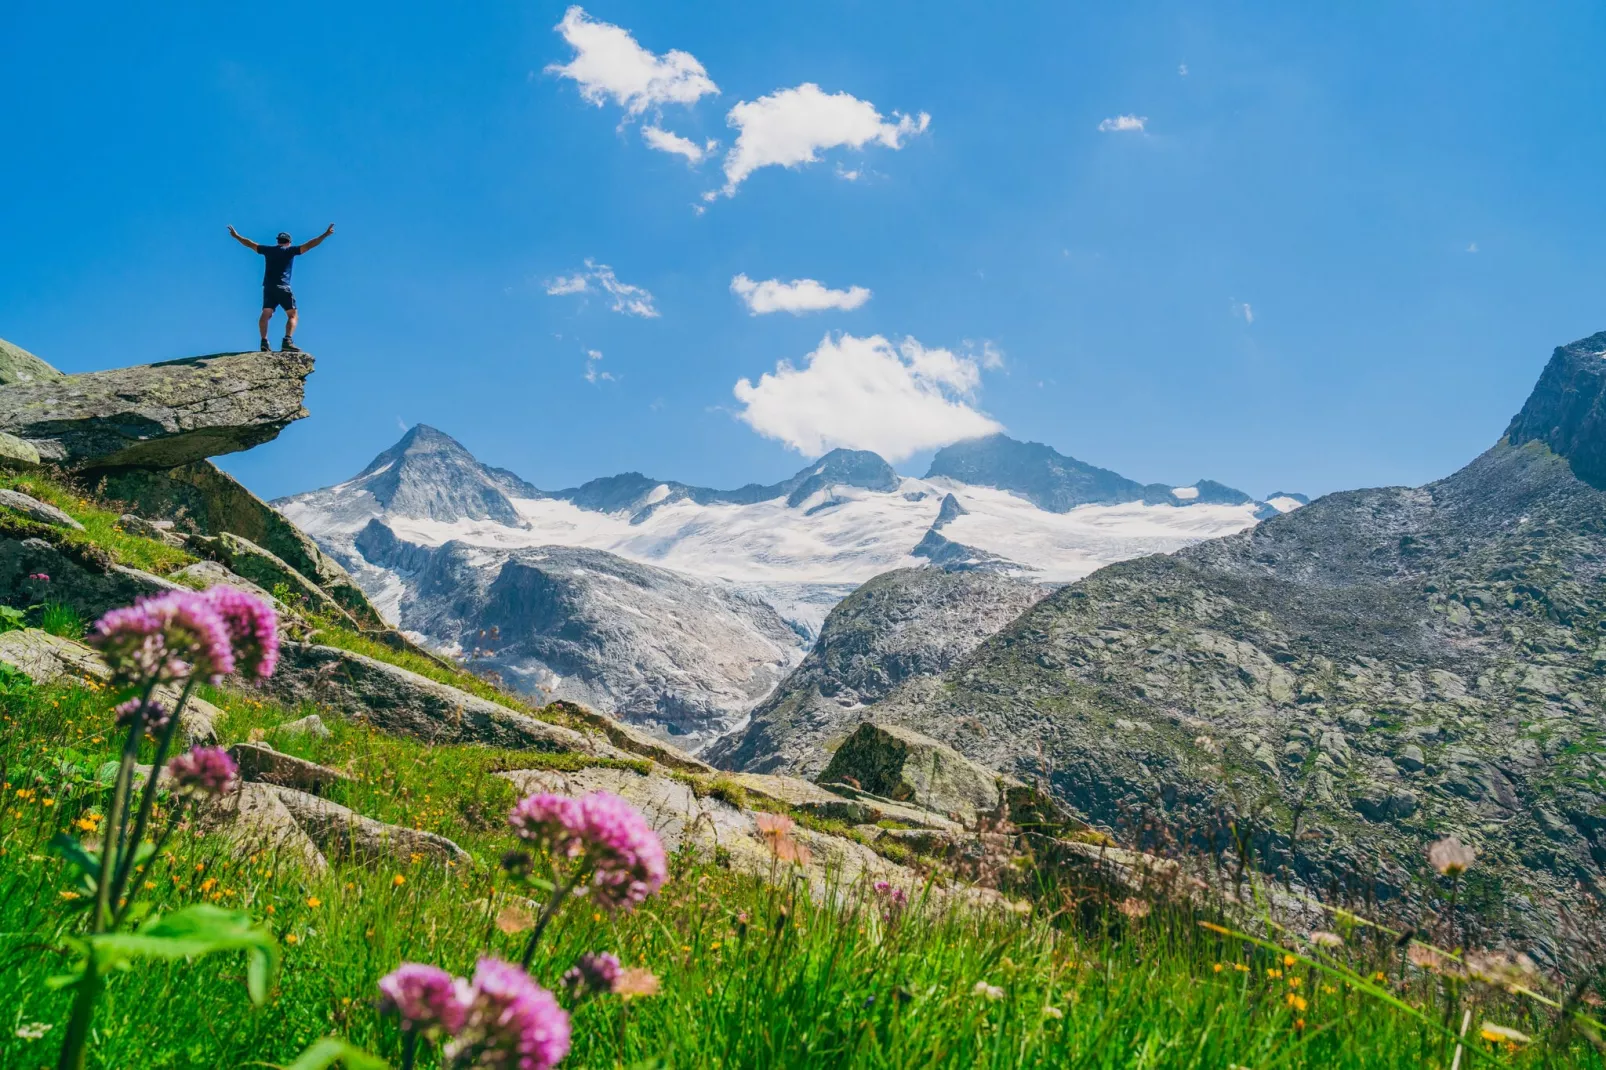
[900,625]
[905,766]
[711,827]
[1567,410]
[260,763]
[299,829]
[158,415]
[17,365]
[81,575]
[1397,663]
[202,499]
[50,659]
[856,809]
[34,509]
[267,572]
[15,453]
[397,700]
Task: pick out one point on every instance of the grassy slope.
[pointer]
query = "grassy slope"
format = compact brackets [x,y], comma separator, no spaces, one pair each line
[744,984]
[100,525]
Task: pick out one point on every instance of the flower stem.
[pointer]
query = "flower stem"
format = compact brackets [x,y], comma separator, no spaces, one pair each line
[409,1049]
[547,913]
[115,814]
[74,1044]
[130,847]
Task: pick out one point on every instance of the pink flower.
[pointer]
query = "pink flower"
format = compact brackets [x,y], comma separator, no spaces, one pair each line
[427,998]
[253,628]
[206,769]
[609,837]
[592,974]
[512,1023]
[168,636]
[155,719]
[549,821]
[42,577]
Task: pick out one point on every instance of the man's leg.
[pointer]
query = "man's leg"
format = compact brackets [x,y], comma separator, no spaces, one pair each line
[289,343]
[262,322]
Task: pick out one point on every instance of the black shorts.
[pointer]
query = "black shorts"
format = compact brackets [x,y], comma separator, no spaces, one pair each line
[276,297]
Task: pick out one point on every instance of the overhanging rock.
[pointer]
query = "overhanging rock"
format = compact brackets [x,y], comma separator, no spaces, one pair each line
[158,415]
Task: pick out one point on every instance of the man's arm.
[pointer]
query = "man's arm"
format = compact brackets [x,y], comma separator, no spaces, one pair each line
[247,242]
[315,242]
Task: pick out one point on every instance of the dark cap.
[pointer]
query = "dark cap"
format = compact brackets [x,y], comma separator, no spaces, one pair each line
[284,239]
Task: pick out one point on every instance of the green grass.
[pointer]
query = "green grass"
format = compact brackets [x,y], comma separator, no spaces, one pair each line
[63,621]
[752,976]
[100,525]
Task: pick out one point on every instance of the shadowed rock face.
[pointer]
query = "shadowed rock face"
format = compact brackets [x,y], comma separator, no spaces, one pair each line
[158,415]
[900,625]
[1567,411]
[1407,661]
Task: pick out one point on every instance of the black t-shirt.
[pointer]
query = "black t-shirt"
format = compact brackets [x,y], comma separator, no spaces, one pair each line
[276,265]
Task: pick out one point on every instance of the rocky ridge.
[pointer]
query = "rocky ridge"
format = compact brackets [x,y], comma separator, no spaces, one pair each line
[1390,664]
[901,625]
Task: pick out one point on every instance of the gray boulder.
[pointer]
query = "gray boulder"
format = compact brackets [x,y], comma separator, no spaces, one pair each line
[15,453]
[310,725]
[159,530]
[397,700]
[49,659]
[158,415]
[260,763]
[904,766]
[34,509]
[296,828]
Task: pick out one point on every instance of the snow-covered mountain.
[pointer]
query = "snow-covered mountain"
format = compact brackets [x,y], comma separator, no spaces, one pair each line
[732,561]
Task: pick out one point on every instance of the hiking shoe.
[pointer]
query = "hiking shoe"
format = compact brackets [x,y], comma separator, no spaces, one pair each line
[265,347]
[289,345]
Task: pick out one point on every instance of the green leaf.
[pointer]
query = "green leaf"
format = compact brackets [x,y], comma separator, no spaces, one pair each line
[85,861]
[107,774]
[196,930]
[330,1050]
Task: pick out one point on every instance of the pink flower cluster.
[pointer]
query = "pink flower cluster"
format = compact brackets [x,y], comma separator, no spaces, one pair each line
[171,637]
[501,1020]
[606,834]
[205,769]
[427,998]
[592,974]
[253,627]
[155,718]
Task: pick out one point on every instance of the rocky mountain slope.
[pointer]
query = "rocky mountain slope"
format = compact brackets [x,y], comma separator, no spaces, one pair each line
[735,559]
[677,656]
[901,625]
[1397,664]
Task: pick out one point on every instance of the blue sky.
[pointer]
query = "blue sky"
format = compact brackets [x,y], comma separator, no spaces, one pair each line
[1337,252]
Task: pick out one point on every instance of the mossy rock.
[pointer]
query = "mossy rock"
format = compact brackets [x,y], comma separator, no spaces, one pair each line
[903,765]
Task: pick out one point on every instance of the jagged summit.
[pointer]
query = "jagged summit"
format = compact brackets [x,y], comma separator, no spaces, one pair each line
[1050,480]
[1567,409]
[429,474]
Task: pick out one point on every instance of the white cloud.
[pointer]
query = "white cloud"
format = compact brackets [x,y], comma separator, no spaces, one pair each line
[568,284]
[599,278]
[1123,124]
[866,393]
[593,375]
[797,297]
[608,63]
[666,141]
[1182,69]
[992,358]
[789,127]
[1472,247]
[1241,308]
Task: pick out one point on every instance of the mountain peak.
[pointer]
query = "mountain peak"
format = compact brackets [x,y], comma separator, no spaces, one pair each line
[853,468]
[1567,409]
[430,475]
